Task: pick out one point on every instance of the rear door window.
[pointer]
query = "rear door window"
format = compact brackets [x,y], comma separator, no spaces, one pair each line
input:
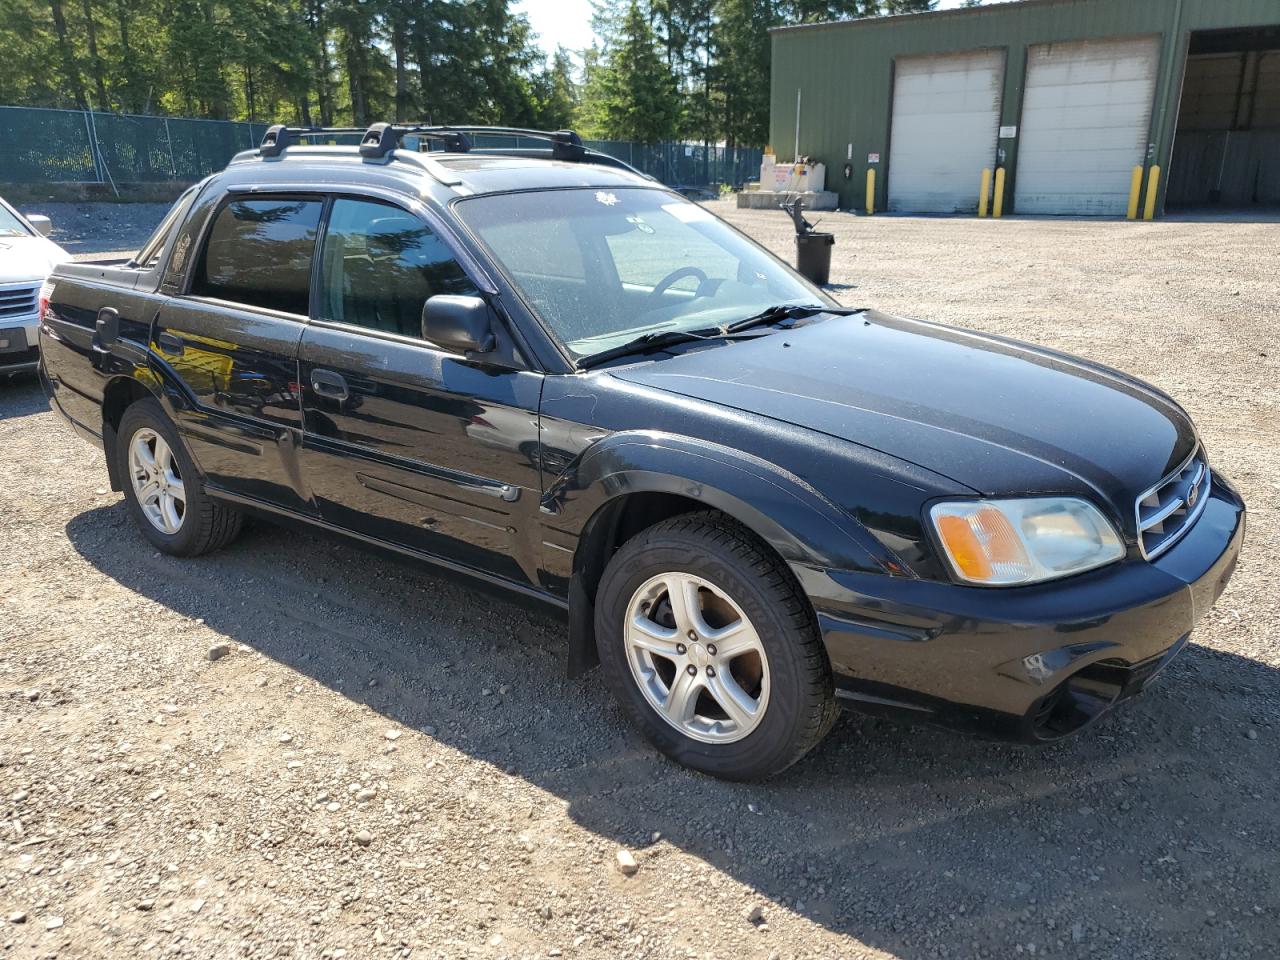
[259,253]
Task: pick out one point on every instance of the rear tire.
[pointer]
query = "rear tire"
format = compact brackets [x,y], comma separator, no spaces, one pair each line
[712,649]
[162,488]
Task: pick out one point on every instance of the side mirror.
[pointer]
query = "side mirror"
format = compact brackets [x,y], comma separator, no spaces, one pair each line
[43,225]
[461,324]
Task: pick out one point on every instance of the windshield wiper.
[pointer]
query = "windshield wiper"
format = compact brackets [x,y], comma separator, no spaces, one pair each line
[788,311]
[659,339]
[654,340]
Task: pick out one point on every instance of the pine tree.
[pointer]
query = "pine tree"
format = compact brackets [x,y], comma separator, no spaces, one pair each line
[588,117]
[683,29]
[198,41]
[72,77]
[740,70]
[639,98]
[555,93]
[607,17]
[38,70]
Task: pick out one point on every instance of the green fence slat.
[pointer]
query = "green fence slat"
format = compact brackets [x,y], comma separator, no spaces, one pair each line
[40,146]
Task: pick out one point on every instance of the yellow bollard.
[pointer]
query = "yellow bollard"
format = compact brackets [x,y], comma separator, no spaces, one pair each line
[871,191]
[985,195]
[1135,191]
[997,205]
[1153,190]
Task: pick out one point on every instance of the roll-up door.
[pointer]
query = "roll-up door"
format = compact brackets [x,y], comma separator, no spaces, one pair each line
[1086,117]
[946,116]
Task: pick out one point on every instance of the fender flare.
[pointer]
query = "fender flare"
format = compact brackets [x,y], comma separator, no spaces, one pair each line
[790,514]
[167,391]
[806,529]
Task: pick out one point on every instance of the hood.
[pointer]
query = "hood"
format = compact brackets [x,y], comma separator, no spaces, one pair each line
[28,258]
[1000,417]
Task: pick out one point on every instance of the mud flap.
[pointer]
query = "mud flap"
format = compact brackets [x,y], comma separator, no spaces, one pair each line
[583,656]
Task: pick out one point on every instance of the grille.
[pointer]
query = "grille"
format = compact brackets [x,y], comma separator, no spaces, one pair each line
[1168,510]
[19,301]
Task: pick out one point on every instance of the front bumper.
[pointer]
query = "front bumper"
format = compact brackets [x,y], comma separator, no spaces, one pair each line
[19,348]
[1025,663]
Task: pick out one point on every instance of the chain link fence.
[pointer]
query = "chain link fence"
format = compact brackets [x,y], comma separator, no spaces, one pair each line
[39,145]
[74,146]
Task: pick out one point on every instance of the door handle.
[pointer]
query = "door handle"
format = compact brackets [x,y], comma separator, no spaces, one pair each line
[329,384]
[170,343]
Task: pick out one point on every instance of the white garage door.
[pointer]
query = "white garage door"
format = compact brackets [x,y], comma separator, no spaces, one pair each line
[1086,116]
[946,116]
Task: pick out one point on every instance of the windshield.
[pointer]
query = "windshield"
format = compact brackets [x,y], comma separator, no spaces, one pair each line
[10,225]
[601,267]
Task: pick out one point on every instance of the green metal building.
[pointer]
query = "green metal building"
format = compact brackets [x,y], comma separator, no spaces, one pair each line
[1067,96]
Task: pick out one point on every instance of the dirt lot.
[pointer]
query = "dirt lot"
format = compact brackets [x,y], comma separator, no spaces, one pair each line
[100,229]
[388,764]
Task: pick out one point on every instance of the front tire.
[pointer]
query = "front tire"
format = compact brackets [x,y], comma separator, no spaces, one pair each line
[162,488]
[712,650]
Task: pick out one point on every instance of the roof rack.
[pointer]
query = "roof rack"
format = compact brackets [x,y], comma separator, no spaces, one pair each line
[279,137]
[378,140]
[382,137]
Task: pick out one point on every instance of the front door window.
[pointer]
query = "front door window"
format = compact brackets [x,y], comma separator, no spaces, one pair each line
[380,265]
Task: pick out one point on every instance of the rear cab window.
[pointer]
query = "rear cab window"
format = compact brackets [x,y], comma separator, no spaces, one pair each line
[150,253]
[258,253]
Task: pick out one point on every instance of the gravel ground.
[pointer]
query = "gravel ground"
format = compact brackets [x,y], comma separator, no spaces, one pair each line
[385,765]
[100,229]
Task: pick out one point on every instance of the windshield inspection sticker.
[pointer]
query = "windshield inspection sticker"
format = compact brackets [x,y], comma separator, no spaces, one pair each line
[640,224]
[687,212]
[608,199]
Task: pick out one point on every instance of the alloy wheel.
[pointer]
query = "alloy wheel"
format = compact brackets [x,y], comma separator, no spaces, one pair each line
[697,658]
[157,481]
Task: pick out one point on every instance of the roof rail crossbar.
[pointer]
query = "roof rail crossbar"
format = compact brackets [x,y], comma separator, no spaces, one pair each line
[455,141]
[279,137]
[565,144]
[384,137]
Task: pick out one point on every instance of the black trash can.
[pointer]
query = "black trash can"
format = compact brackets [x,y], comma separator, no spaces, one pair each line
[813,255]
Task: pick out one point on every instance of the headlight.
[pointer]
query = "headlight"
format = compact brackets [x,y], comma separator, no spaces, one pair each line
[1003,542]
